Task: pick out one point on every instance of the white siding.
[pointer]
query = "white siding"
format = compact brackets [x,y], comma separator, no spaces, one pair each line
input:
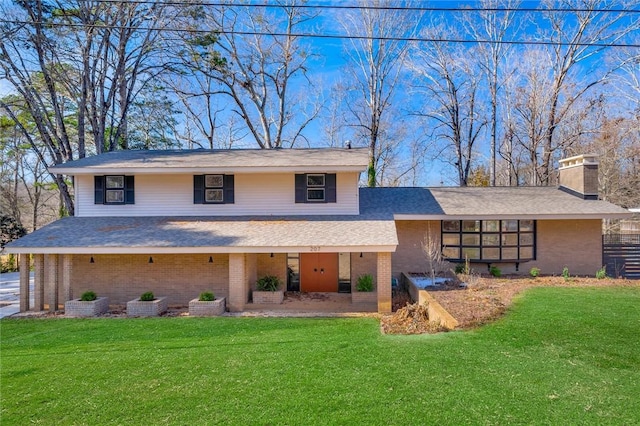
[255,194]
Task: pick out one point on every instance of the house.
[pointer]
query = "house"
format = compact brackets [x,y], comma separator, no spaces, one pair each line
[182,222]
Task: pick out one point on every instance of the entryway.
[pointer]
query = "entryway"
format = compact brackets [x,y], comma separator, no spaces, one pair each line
[319,272]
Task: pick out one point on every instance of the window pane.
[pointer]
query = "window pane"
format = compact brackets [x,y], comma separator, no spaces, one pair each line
[451,252]
[315,194]
[491,226]
[315,180]
[471,239]
[471,225]
[491,253]
[470,252]
[526,252]
[213,195]
[115,196]
[509,239]
[116,182]
[491,239]
[213,181]
[510,253]
[526,225]
[509,226]
[451,239]
[526,239]
[451,225]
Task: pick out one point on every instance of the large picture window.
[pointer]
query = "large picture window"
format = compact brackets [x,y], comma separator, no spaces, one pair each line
[488,240]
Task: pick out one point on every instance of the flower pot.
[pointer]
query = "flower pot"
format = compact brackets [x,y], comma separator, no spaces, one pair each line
[79,309]
[143,308]
[202,308]
[268,297]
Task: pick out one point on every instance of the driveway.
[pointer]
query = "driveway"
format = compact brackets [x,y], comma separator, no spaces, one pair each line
[10,293]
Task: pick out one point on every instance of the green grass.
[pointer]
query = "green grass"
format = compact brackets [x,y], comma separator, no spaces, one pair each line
[560,356]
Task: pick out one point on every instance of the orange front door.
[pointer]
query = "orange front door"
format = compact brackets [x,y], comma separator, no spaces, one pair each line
[319,272]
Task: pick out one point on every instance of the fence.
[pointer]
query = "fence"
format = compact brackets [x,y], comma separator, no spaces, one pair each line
[621,255]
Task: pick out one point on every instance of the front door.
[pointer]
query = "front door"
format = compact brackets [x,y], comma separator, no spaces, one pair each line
[319,272]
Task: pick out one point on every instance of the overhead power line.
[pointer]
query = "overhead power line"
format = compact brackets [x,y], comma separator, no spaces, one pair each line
[332,36]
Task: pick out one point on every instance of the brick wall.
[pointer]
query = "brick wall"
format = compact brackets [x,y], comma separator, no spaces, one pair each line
[276,265]
[409,256]
[367,264]
[383,282]
[179,277]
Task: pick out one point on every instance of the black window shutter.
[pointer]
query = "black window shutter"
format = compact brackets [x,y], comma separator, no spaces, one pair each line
[198,189]
[301,188]
[129,193]
[228,189]
[330,187]
[98,189]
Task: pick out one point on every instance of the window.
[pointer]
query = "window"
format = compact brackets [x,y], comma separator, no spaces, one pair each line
[488,240]
[114,189]
[213,189]
[315,188]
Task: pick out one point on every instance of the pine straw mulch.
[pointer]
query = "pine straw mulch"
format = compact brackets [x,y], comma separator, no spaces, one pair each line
[483,300]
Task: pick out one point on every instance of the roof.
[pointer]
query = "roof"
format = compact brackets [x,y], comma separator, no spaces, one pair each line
[220,161]
[484,203]
[209,235]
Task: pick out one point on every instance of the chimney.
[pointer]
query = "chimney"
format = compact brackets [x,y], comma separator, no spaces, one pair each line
[579,176]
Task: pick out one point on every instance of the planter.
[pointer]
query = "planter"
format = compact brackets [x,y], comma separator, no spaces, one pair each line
[268,297]
[364,297]
[199,308]
[79,309]
[152,308]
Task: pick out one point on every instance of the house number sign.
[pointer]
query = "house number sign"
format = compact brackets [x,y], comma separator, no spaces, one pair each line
[314,248]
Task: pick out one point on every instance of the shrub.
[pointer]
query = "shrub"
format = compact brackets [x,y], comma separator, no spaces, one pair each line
[565,273]
[88,296]
[459,269]
[601,273]
[365,283]
[495,271]
[534,272]
[268,283]
[206,296]
[147,297]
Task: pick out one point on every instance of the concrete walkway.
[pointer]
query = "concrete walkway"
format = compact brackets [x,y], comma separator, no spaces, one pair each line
[10,293]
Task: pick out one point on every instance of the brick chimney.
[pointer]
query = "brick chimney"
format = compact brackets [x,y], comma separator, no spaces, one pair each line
[579,176]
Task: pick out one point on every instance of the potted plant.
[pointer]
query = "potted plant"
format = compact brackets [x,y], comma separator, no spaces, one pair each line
[206,305]
[147,305]
[267,290]
[364,290]
[88,305]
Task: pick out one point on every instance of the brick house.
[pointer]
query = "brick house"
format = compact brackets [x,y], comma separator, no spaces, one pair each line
[182,222]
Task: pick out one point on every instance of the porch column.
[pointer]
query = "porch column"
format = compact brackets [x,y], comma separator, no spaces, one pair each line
[38,281]
[67,270]
[237,282]
[384,282]
[24,282]
[51,265]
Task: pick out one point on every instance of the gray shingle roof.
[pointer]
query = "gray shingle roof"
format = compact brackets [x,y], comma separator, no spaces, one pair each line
[245,233]
[226,159]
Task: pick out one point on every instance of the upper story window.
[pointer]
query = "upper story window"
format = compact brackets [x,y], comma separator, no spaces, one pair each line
[315,188]
[488,240]
[114,189]
[213,189]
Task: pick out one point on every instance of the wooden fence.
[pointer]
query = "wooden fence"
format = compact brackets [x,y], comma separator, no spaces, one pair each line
[621,255]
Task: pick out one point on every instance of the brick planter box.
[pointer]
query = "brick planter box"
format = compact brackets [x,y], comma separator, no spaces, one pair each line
[79,309]
[153,308]
[268,297]
[364,297]
[199,308]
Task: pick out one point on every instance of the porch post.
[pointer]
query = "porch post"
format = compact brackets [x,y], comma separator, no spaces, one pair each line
[67,269]
[384,282]
[38,281]
[24,282]
[51,265]
[237,282]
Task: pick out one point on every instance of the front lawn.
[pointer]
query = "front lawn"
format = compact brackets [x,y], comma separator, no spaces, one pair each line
[560,356]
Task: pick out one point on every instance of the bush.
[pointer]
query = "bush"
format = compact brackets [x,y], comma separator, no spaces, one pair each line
[206,296]
[565,273]
[88,296]
[601,273]
[268,283]
[534,272]
[365,283]
[495,271]
[147,297]
[459,269]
